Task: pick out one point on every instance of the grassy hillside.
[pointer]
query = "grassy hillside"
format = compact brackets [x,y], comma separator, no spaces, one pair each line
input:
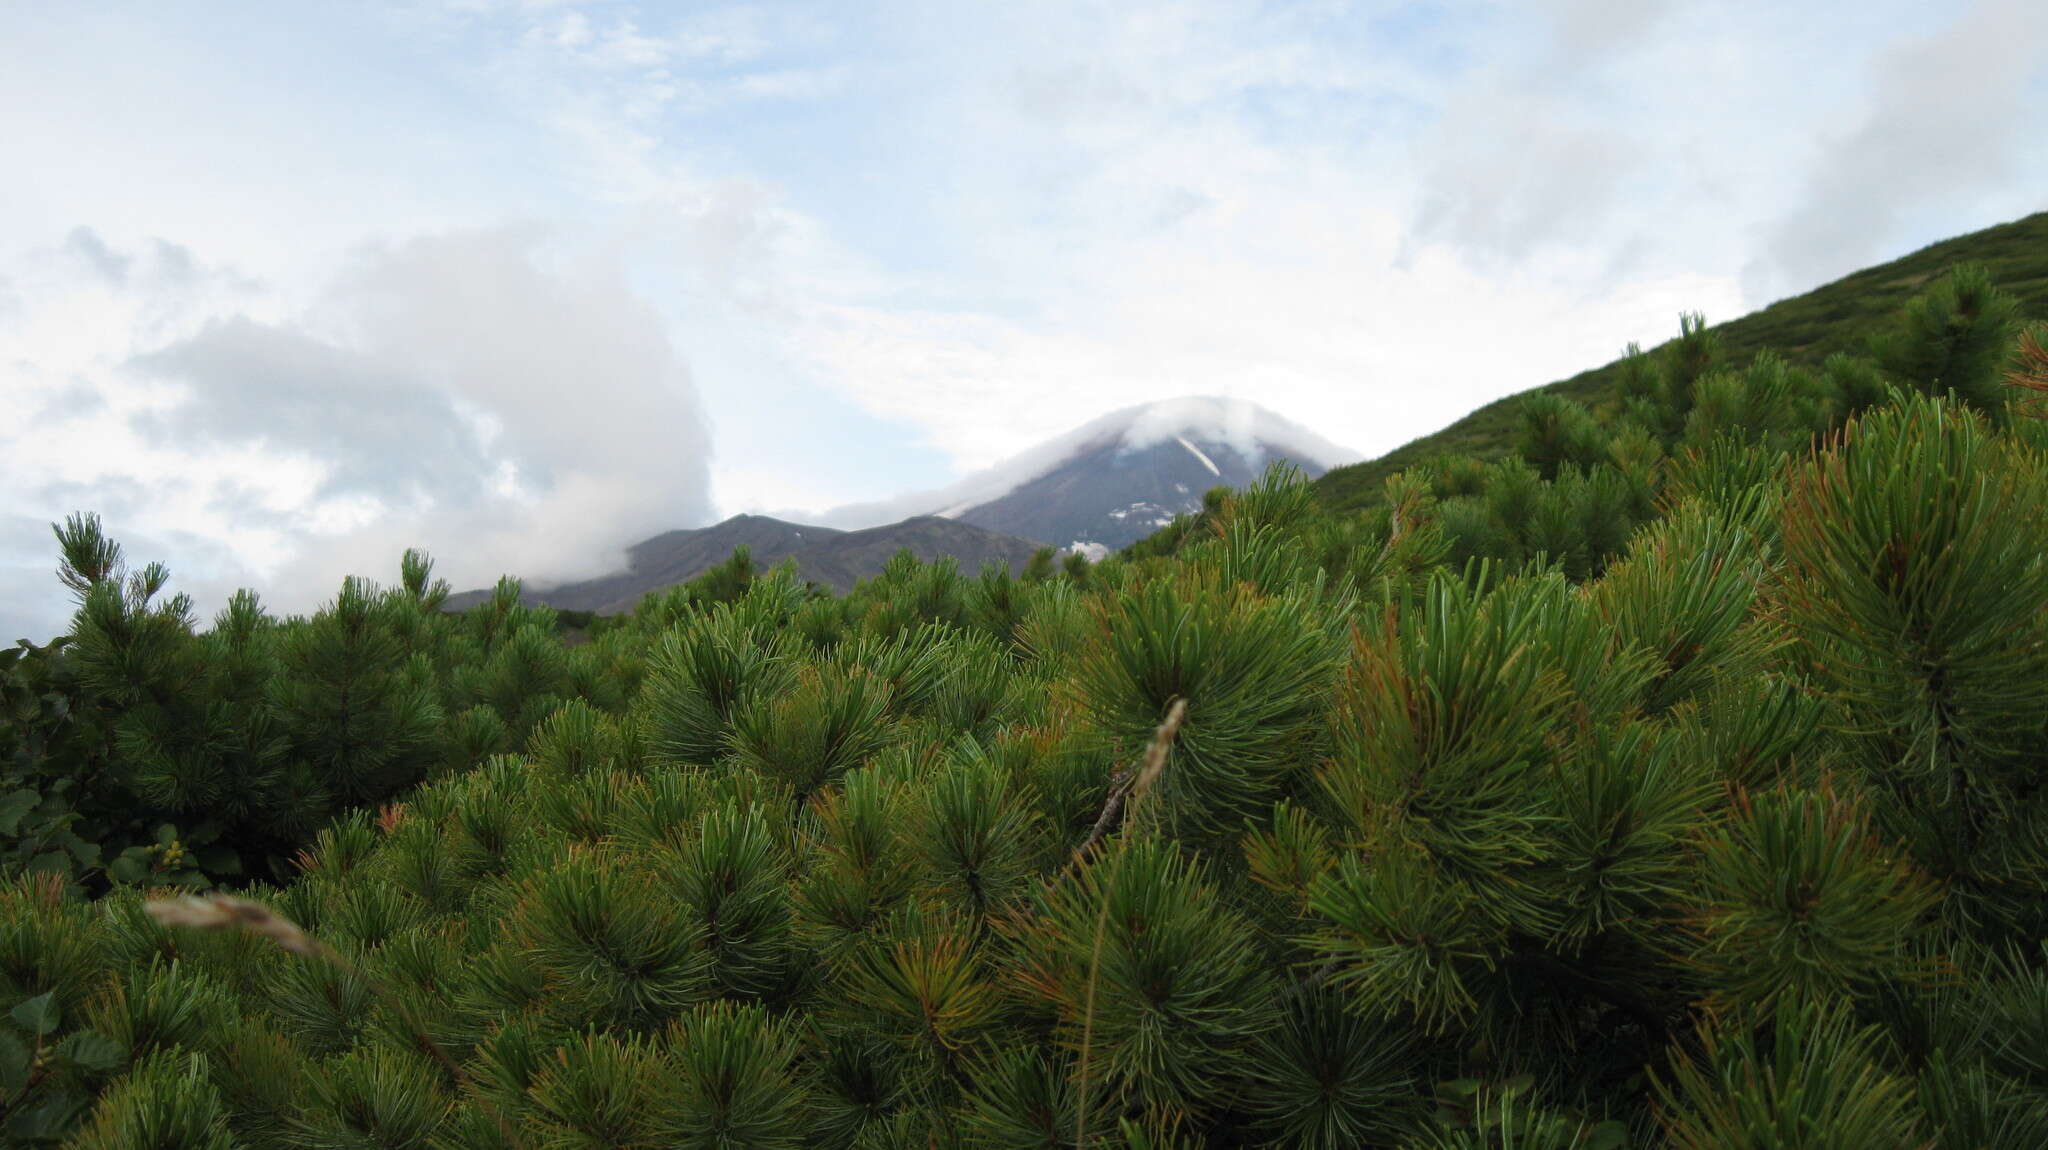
[1806,329]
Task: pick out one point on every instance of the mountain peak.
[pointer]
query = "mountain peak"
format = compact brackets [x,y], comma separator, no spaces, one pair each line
[1202,421]
[1118,477]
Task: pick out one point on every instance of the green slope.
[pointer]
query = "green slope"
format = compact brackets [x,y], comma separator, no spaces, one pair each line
[1805,328]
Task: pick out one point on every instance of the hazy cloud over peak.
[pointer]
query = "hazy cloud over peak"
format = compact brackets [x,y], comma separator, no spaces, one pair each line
[287,288]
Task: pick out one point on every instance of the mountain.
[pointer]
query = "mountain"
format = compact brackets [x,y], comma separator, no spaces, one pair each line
[1098,488]
[668,558]
[1110,494]
[1121,477]
[823,555]
[850,555]
[1806,329]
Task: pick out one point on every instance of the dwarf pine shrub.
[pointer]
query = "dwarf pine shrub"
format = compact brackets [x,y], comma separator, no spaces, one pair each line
[1677,782]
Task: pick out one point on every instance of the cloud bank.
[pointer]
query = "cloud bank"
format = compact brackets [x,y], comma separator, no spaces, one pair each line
[506,408]
[1948,112]
[879,247]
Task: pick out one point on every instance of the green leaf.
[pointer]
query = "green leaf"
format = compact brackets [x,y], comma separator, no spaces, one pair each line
[47,1120]
[1606,1136]
[219,860]
[87,854]
[131,865]
[1458,1088]
[166,834]
[92,1051]
[13,805]
[15,1057]
[39,1014]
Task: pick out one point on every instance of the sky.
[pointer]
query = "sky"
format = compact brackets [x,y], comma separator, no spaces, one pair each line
[288,288]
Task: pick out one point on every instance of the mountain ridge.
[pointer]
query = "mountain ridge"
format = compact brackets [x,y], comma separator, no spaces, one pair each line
[1095,489]
[1806,328]
[823,555]
[1112,495]
[1112,480]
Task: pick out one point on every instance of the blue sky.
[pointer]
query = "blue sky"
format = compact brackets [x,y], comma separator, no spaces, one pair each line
[286,288]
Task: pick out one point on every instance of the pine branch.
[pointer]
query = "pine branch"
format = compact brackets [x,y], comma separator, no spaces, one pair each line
[2030,371]
[219,911]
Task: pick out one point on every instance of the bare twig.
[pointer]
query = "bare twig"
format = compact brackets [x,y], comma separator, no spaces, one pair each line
[1155,755]
[1119,787]
[1125,786]
[1140,783]
[220,911]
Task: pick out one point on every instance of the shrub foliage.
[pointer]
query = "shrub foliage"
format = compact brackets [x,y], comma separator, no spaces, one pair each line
[1676,782]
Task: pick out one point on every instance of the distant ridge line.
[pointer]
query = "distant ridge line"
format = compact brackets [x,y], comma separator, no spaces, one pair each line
[824,555]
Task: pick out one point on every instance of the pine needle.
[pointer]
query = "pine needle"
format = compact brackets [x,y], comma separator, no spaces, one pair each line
[217,911]
[2030,371]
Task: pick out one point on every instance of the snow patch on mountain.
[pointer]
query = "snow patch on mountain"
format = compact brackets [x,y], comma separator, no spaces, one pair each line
[1144,513]
[1197,453]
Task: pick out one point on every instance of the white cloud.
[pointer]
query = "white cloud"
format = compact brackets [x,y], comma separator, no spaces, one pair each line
[1948,120]
[460,392]
[896,244]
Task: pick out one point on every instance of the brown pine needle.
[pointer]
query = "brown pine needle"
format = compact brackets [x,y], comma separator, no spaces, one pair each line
[2030,371]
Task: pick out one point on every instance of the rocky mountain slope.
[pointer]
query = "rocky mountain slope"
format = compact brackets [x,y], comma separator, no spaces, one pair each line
[1110,494]
[824,555]
[1119,478]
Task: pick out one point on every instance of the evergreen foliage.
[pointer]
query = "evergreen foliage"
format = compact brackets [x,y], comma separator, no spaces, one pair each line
[1837,319]
[1673,782]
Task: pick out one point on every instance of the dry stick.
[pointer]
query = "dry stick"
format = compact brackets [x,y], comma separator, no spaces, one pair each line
[220,911]
[1155,762]
[1119,788]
